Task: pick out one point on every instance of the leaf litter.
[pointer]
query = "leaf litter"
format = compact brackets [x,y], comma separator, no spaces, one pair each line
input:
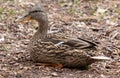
[98,21]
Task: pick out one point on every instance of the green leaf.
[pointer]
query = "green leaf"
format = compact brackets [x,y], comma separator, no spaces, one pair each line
[1,10]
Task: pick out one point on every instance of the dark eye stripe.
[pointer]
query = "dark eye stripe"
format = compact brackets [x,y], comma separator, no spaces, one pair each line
[36,11]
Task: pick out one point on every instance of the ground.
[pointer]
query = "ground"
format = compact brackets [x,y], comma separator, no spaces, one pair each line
[95,20]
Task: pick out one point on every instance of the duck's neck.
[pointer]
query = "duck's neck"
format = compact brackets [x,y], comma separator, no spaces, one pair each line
[42,30]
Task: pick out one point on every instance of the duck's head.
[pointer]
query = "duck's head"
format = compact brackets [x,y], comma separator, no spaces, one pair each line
[36,13]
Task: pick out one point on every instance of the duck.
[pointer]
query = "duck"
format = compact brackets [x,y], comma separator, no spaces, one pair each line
[55,50]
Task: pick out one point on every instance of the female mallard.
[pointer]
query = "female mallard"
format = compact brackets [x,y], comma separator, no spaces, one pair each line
[50,49]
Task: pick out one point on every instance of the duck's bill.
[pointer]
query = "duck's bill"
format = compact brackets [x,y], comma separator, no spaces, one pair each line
[23,18]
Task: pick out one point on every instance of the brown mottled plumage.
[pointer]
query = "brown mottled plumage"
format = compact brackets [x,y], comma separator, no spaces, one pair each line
[45,48]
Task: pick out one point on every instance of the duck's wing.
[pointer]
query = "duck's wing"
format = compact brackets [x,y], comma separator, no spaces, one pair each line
[79,42]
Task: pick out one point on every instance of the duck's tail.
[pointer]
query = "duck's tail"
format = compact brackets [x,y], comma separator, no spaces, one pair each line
[101,58]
